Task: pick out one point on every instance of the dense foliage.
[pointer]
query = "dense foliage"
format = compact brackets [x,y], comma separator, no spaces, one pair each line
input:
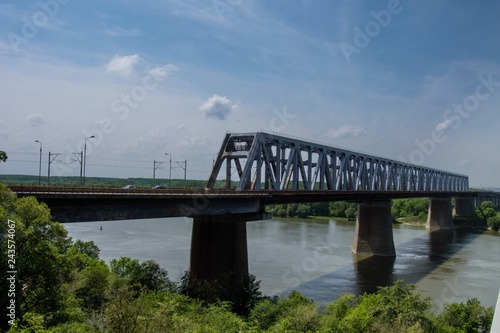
[416,207]
[63,286]
[413,207]
[341,209]
[487,215]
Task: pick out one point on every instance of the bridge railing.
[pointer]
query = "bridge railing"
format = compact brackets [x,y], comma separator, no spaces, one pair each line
[277,162]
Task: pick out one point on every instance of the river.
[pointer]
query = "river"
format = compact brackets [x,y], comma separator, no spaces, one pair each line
[314,256]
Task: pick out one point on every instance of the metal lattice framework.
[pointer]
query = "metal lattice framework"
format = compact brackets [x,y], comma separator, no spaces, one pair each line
[276,162]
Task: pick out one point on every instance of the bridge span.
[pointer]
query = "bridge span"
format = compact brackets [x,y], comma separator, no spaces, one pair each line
[273,169]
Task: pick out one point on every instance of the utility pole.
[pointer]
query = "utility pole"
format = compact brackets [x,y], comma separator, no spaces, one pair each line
[80,160]
[40,164]
[169,170]
[185,169]
[52,157]
[156,165]
[85,156]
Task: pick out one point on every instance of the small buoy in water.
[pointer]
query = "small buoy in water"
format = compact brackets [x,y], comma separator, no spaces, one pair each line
[100,228]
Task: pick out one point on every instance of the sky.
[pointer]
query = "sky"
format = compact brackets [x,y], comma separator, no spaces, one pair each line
[417,81]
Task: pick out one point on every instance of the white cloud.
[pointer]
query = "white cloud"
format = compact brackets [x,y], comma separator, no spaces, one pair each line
[193,141]
[35,119]
[444,125]
[218,107]
[346,131]
[123,64]
[161,72]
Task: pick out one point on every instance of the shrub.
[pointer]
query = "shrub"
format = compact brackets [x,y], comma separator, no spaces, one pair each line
[494,223]
[468,317]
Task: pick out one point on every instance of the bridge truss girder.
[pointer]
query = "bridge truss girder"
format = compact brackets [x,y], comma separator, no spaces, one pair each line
[269,161]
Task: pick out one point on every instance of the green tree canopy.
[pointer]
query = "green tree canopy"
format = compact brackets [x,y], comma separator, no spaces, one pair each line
[486,211]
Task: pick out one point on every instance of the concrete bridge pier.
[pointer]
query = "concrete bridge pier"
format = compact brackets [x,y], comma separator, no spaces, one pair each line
[373,233]
[440,214]
[464,206]
[219,248]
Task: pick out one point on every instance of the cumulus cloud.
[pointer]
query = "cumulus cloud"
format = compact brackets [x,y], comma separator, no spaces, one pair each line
[444,125]
[122,64]
[34,119]
[346,131]
[218,107]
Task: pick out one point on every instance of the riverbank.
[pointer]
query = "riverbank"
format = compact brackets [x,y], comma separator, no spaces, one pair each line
[411,220]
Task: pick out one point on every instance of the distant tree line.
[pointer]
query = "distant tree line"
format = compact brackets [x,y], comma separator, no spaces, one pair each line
[342,209]
[414,207]
[105,181]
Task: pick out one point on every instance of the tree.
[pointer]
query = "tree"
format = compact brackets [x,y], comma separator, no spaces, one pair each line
[396,308]
[468,317]
[89,248]
[352,211]
[292,209]
[338,208]
[410,207]
[303,210]
[39,248]
[494,223]
[485,211]
[319,209]
[3,156]
[147,274]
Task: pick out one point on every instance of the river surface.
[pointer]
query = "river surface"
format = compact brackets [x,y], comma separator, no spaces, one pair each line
[314,256]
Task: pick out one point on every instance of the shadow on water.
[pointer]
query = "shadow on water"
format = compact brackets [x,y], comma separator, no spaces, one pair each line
[415,259]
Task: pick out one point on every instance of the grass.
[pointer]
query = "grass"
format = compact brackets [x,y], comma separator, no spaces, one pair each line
[344,219]
[411,220]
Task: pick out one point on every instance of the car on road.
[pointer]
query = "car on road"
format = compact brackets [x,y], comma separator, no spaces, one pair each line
[158,187]
[129,186]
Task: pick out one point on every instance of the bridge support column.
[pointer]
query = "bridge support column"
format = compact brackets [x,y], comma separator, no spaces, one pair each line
[219,248]
[464,206]
[373,233]
[440,214]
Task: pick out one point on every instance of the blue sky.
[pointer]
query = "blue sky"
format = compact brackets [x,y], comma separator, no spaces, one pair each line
[411,80]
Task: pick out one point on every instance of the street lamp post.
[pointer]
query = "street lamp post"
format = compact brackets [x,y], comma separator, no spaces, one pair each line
[40,164]
[169,170]
[85,156]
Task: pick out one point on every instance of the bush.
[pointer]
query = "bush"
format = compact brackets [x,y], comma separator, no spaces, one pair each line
[494,223]
[292,313]
[468,317]
[392,309]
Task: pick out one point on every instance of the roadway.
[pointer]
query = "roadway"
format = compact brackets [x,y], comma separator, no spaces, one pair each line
[265,196]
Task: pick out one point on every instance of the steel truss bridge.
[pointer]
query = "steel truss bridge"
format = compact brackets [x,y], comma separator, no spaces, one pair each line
[278,162]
